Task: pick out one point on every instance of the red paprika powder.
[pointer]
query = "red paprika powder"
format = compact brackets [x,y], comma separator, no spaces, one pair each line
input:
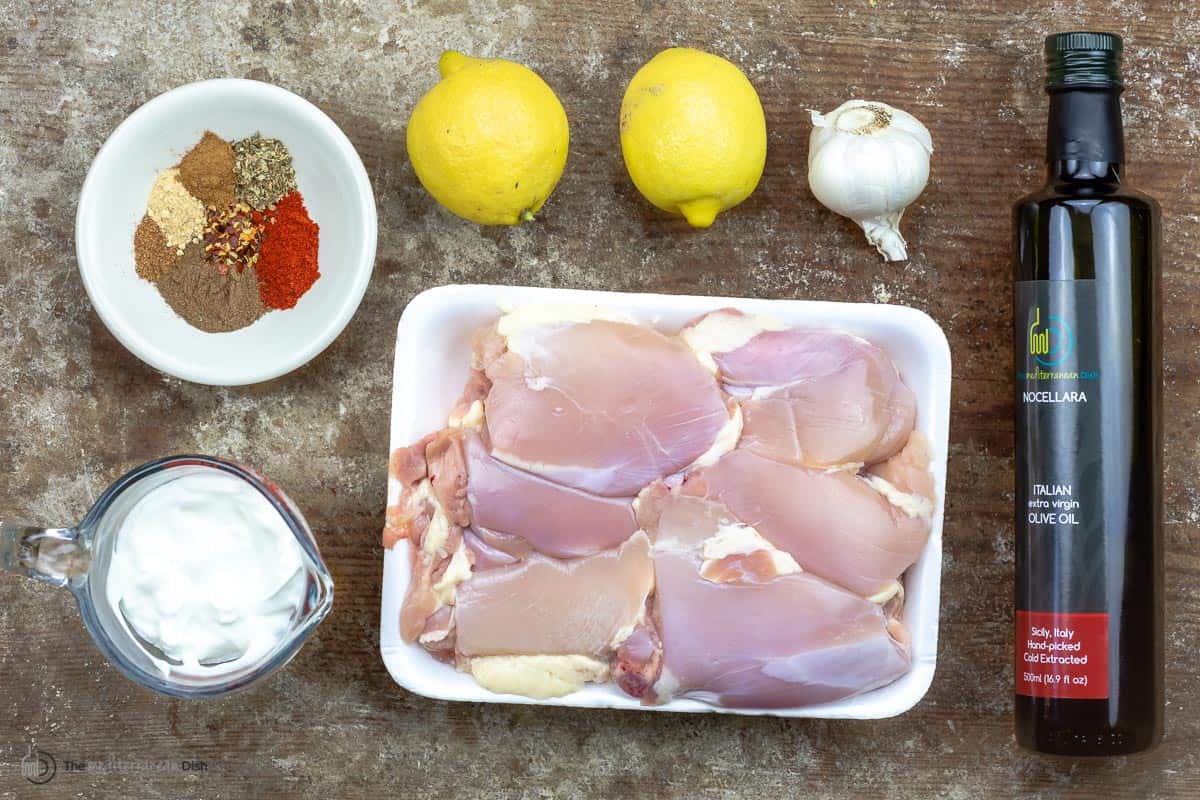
[287,260]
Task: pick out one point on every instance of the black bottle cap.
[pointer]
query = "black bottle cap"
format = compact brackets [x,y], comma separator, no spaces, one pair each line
[1083,60]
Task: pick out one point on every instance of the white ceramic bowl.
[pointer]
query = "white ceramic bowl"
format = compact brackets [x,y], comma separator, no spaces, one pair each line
[433,351]
[336,191]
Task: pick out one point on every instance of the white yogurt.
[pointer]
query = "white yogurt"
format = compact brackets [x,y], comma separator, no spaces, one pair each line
[207,570]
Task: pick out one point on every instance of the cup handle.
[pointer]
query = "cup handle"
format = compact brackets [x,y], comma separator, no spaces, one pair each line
[53,555]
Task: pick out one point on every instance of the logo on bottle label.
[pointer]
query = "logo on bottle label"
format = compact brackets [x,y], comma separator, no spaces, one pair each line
[1050,343]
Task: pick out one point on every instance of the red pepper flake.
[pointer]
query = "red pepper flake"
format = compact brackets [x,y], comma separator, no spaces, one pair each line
[232,237]
[287,257]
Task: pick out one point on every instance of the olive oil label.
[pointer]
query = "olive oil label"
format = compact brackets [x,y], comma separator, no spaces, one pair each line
[1062,655]
[1063,330]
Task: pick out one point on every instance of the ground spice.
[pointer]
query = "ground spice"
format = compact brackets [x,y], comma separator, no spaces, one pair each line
[207,171]
[263,170]
[232,237]
[151,254]
[287,263]
[208,300]
[178,215]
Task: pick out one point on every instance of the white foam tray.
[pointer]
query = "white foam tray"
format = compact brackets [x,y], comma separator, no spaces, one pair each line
[433,348]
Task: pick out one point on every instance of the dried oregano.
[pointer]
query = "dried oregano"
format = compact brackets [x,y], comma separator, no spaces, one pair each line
[263,170]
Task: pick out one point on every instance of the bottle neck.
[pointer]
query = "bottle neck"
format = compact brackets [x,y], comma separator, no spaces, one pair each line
[1085,140]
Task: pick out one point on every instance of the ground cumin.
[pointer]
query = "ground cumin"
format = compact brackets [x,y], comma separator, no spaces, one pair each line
[207,171]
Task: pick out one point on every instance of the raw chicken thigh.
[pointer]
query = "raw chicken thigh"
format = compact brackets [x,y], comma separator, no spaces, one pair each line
[834,523]
[553,519]
[602,405]
[816,398]
[780,491]
[544,605]
[725,642]
[720,587]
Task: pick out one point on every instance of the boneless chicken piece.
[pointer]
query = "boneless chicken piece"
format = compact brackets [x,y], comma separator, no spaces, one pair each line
[431,512]
[793,640]
[835,524]
[556,520]
[601,405]
[545,606]
[757,632]
[817,398]
[508,509]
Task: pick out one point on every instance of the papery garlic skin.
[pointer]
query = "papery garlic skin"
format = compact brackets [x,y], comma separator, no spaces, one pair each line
[868,161]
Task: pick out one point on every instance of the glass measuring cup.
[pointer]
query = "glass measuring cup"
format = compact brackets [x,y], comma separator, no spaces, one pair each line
[78,559]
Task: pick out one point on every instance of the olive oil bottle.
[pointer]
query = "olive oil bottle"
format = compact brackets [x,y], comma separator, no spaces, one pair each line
[1087,312]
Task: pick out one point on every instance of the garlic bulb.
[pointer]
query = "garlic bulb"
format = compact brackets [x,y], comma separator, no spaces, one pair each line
[869,161]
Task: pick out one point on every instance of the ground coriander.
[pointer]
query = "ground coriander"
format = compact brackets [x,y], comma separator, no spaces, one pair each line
[152,256]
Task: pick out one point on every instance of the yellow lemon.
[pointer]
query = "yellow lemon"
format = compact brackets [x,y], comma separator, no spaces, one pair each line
[489,141]
[693,134]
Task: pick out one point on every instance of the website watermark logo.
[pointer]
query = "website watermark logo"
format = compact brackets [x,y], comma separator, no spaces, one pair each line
[38,766]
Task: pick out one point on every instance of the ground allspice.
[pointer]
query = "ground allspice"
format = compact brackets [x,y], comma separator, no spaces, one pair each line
[208,300]
[207,171]
[152,255]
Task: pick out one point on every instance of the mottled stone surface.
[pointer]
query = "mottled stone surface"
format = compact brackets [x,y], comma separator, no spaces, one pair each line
[77,410]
